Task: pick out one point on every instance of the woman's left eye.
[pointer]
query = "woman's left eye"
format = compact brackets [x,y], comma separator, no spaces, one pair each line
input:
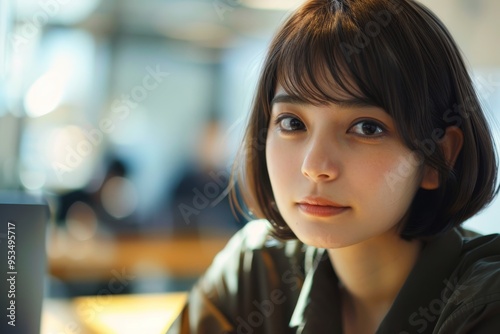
[368,129]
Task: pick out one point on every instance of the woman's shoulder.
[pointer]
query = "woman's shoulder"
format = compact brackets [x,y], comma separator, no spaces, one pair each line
[257,235]
[475,299]
[478,271]
[253,263]
[480,256]
[479,267]
[254,235]
[256,238]
[253,250]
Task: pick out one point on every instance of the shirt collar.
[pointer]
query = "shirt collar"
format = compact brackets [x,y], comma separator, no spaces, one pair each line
[318,306]
[318,309]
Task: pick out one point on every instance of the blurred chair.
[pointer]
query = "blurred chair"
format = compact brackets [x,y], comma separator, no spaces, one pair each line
[110,205]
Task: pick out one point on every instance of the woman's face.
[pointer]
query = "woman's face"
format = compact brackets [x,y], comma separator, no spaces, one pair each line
[340,174]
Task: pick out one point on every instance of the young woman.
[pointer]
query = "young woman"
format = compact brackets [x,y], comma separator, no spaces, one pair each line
[365,151]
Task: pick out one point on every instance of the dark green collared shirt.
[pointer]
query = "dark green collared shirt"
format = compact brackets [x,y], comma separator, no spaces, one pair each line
[260,285]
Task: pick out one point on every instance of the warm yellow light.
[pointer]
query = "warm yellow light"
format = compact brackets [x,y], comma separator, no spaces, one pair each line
[130,314]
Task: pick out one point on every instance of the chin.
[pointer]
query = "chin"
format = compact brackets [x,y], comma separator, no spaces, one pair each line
[323,240]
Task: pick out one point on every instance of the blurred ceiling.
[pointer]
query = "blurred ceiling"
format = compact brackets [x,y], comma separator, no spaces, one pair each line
[475,26]
[221,23]
[209,23]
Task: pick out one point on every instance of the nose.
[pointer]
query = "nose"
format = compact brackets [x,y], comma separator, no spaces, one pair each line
[321,162]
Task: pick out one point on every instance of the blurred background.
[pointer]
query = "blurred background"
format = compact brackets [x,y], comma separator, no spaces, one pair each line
[126,115]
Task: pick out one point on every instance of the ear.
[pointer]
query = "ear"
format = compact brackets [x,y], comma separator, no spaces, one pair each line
[450,144]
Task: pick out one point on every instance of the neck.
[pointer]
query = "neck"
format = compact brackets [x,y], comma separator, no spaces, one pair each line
[371,273]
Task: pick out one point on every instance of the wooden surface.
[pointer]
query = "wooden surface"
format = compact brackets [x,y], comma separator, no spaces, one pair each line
[121,314]
[117,261]
[101,258]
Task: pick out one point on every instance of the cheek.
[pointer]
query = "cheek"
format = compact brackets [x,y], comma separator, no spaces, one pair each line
[390,181]
[273,158]
[282,163]
[403,173]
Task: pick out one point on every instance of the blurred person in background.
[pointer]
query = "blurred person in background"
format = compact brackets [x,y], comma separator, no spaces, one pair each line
[198,202]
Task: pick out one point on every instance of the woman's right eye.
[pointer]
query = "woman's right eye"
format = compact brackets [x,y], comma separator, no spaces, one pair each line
[289,124]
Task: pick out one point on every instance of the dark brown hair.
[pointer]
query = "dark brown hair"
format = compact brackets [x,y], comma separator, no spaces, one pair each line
[394,54]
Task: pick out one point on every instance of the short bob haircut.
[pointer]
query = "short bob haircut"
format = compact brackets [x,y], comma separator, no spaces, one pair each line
[393,54]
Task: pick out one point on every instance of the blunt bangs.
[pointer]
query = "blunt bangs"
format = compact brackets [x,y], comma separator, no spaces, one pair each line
[392,54]
[314,59]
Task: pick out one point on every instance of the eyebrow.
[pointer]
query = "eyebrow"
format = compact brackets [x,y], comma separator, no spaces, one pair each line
[349,103]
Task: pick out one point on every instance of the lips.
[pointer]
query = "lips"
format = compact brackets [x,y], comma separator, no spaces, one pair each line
[320,201]
[320,207]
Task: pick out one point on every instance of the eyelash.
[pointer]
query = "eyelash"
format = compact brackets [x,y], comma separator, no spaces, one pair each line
[281,118]
[380,131]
